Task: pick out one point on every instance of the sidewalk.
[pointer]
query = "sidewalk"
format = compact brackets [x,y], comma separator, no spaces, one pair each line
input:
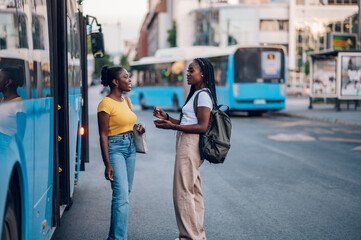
[323,112]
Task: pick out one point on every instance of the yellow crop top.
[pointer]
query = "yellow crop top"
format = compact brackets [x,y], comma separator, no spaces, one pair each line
[122,119]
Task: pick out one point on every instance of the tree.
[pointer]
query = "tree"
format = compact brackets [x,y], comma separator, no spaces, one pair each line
[124,62]
[307,64]
[172,35]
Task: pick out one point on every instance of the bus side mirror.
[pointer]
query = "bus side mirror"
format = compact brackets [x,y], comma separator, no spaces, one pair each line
[97,43]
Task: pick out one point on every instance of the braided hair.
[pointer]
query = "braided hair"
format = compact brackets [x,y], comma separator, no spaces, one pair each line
[208,78]
[108,74]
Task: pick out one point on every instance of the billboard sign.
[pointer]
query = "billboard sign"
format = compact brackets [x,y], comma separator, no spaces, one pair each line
[349,75]
[323,81]
[341,41]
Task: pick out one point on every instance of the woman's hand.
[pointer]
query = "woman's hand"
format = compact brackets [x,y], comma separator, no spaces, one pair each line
[140,128]
[109,173]
[159,113]
[165,124]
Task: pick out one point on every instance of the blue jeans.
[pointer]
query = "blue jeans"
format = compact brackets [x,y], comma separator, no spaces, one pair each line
[122,159]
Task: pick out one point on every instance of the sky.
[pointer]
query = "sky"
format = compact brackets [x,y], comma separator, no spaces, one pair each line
[121,20]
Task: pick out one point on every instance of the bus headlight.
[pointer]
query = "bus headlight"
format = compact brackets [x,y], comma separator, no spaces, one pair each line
[235,89]
[282,89]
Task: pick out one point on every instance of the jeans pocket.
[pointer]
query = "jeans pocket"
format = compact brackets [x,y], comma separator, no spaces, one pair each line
[114,141]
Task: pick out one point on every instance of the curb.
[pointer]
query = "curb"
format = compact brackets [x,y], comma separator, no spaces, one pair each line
[323,119]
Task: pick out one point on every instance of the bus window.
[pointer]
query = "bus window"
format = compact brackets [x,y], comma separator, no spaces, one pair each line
[220,69]
[246,66]
[258,65]
[134,77]
[13,36]
[271,64]
[141,78]
[13,69]
[177,70]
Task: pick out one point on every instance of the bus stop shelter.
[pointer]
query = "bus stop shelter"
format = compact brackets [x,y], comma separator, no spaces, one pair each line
[335,74]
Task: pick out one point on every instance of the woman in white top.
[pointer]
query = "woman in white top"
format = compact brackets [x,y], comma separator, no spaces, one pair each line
[187,193]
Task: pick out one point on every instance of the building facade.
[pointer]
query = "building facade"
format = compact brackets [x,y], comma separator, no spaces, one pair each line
[299,25]
[154,31]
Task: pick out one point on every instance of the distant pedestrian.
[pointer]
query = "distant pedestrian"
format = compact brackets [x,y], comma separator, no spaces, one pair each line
[187,193]
[115,122]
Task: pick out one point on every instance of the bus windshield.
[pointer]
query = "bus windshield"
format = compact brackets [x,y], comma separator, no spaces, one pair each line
[258,65]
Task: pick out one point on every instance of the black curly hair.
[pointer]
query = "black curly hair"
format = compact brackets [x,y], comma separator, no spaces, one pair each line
[108,74]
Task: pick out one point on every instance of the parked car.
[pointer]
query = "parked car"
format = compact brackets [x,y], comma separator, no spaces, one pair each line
[297,90]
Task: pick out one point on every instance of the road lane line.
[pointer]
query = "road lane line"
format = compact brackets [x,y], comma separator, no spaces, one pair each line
[291,137]
[340,139]
[357,148]
[292,124]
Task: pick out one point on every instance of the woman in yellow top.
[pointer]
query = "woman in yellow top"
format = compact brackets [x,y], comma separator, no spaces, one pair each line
[115,122]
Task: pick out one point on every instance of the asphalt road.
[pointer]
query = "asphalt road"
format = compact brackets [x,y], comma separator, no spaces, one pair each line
[284,178]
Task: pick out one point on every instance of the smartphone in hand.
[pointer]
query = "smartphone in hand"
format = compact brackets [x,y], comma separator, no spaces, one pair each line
[159,121]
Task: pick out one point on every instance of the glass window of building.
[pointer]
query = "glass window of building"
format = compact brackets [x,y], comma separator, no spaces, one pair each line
[207,28]
[347,26]
[269,25]
[274,25]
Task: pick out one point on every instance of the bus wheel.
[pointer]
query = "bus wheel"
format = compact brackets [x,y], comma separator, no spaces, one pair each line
[142,104]
[10,226]
[175,104]
[255,113]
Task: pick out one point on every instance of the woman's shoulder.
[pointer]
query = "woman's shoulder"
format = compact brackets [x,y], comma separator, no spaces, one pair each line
[105,104]
[205,93]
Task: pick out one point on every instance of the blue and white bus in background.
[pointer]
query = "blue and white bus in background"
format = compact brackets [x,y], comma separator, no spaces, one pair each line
[43,134]
[158,80]
[248,78]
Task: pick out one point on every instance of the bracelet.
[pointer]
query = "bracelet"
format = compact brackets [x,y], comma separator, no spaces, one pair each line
[167,116]
[175,127]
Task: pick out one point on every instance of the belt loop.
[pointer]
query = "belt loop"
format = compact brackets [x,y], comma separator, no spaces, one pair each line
[130,139]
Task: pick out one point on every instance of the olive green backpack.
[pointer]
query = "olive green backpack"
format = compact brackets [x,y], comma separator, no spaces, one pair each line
[215,143]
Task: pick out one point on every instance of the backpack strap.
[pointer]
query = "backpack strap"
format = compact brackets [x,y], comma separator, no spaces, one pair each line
[128,102]
[195,108]
[195,103]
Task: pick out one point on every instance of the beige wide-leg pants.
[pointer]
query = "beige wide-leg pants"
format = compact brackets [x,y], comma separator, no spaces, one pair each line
[187,193]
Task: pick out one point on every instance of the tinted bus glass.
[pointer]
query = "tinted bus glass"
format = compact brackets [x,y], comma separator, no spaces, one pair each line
[271,64]
[159,74]
[258,65]
[220,65]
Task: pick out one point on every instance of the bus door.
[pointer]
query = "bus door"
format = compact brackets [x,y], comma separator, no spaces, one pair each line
[58,63]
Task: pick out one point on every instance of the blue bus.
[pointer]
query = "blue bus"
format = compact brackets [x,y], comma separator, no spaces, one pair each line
[44,132]
[251,79]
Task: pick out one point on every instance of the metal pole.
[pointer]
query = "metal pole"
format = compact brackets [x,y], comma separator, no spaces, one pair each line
[210,38]
[358,45]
